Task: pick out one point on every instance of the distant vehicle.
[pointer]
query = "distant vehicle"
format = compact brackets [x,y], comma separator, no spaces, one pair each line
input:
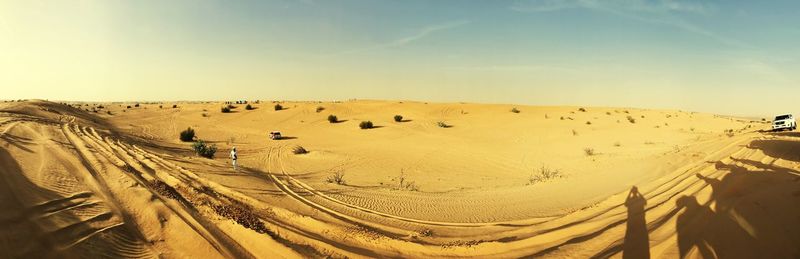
[785,121]
[275,135]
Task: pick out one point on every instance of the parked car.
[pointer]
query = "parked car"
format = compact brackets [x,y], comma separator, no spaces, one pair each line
[784,121]
[275,135]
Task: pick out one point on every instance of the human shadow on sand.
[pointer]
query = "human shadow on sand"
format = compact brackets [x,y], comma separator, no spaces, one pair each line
[750,214]
[636,237]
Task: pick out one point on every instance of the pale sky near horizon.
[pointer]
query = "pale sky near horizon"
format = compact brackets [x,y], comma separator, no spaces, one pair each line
[729,57]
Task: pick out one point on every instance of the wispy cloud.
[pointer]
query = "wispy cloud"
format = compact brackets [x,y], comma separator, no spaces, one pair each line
[626,5]
[420,34]
[663,12]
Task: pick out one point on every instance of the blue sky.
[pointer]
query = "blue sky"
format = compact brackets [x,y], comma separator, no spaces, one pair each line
[733,57]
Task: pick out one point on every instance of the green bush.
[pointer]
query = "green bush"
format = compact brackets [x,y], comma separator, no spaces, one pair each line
[333,119]
[398,118]
[365,125]
[204,150]
[187,135]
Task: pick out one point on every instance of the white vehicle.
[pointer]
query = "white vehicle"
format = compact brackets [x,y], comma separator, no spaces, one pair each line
[785,121]
[275,135]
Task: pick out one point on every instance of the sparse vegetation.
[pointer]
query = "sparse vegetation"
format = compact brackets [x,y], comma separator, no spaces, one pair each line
[544,174]
[320,109]
[333,119]
[299,150]
[441,124]
[337,178]
[562,118]
[398,118]
[582,109]
[249,107]
[589,151]
[631,119]
[128,107]
[617,144]
[729,132]
[366,125]
[109,113]
[403,184]
[161,106]
[136,105]
[187,135]
[608,113]
[226,109]
[174,106]
[515,110]
[588,123]
[574,132]
[202,149]
[278,107]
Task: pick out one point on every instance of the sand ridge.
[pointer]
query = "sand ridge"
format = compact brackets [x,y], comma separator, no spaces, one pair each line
[700,191]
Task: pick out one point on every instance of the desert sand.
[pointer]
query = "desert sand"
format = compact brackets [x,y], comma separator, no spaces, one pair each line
[82,181]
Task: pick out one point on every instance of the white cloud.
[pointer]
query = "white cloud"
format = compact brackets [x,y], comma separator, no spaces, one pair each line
[661,6]
[421,33]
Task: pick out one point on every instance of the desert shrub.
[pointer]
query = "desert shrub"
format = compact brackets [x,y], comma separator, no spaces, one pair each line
[248,107]
[398,118]
[333,119]
[187,135]
[631,119]
[617,144]
[729,132]
[404,184]
[589,151]
[299,150]
[109,113]
[230,106]
[546,117]
[204,114]
[642,116]
[582,109]
[365,125]
[202,149]
[161,106]
[574,132]
[320,109]
[128,107]
[515,110]
[544,174]
[691,129]
[174,106]
[441,124]
[100,107]
[562,118]
[625,111]
[225,109]
[136,105]
[608,113]
[278,107]
[337,178]
[588,123]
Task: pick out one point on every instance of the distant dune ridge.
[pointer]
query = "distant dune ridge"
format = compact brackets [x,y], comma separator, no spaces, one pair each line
[497,181]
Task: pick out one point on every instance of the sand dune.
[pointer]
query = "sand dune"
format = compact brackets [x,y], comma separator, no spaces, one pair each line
[632,182]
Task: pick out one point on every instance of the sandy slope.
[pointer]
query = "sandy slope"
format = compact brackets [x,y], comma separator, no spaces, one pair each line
[77,183]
